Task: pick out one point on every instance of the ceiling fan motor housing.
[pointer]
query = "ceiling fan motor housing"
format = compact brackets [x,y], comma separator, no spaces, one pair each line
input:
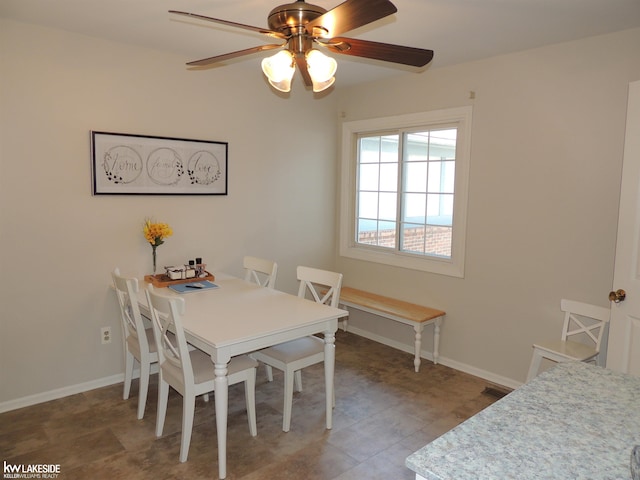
[290,18]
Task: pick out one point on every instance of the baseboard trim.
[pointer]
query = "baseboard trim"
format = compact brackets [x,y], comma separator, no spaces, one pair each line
[59,393]
[463,367]
[70,390]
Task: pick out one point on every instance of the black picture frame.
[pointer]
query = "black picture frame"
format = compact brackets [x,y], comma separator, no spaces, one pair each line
[128,164]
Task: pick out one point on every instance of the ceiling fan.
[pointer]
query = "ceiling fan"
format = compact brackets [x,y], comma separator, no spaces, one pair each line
[302,26]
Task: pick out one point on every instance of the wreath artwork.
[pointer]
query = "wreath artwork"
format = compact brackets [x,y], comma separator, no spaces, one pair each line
[137,164]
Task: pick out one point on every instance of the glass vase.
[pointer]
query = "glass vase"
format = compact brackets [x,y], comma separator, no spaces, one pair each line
[153,252]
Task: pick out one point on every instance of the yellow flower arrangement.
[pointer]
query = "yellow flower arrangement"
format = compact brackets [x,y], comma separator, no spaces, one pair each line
[155,233]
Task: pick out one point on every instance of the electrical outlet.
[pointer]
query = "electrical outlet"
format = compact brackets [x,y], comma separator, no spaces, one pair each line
[105,335]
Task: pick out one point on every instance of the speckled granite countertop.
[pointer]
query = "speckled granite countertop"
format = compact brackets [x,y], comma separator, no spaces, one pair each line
[575,421]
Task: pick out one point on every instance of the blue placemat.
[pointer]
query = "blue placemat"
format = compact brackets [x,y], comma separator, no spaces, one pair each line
[193,286]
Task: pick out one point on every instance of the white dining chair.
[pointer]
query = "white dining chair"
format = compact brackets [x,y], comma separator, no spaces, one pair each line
[291,357]
[190,372]
[138,342]
[260,271]
[581,336]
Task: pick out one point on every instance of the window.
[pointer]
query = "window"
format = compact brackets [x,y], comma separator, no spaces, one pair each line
[404,190]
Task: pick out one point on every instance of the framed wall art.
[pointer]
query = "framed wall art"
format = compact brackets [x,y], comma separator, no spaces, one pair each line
[140,164]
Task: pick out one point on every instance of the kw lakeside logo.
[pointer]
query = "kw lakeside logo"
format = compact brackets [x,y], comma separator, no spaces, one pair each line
[38,470]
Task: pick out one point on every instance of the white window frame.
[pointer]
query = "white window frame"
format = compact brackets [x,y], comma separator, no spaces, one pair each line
[461,117]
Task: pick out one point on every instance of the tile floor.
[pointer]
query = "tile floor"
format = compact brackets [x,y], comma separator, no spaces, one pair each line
[384,412]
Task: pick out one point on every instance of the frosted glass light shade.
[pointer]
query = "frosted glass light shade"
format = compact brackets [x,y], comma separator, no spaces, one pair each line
[283,85]
[320,86]
[279,69]
[321,70]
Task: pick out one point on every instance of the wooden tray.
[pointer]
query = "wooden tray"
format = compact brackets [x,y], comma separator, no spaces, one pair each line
[162,280]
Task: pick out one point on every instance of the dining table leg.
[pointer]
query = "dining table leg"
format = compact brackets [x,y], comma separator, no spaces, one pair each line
[329,368]
[222,405]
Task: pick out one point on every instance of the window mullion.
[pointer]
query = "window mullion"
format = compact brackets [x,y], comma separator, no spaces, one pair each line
[426,197]
[400,189]
[378,188]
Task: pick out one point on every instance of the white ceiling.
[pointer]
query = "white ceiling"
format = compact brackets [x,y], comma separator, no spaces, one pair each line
[457,30]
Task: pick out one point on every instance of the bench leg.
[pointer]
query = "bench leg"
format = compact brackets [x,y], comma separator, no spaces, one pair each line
[345,320]
[416,361]
[436,340]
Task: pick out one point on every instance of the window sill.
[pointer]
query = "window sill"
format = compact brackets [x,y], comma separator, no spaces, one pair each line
[412,262]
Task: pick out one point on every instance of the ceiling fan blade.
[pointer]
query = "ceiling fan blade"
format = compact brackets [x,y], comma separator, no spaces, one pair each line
[227,56]
[349,16]
[416,57]
[301,63]
[264,31]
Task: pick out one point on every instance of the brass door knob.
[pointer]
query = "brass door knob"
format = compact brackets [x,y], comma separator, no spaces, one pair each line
[617,296]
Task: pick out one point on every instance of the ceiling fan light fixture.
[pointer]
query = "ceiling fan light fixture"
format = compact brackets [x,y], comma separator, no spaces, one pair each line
[321,69]
[279,69]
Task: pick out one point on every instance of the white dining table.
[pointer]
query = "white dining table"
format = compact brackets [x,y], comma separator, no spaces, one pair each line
[240,317]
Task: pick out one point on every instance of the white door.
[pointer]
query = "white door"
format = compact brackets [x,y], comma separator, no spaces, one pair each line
[623,349]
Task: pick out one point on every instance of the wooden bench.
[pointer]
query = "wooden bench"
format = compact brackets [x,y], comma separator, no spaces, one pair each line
[404,312]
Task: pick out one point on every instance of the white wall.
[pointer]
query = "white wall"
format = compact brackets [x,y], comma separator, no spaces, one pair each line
[546,160]
[58,243]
